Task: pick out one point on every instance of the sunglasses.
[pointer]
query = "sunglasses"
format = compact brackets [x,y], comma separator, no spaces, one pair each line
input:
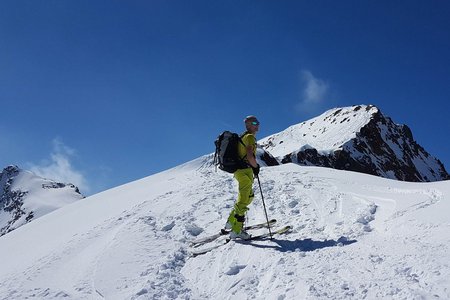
[255,123]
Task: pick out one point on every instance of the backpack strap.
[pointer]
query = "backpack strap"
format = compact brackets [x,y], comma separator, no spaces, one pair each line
[245,146]
[240,140]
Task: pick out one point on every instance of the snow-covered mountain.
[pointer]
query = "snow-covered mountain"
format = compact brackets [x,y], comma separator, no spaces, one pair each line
[355,236]
[358,138]
[25,197]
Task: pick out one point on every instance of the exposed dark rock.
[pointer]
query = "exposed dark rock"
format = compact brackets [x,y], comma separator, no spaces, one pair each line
[268,158]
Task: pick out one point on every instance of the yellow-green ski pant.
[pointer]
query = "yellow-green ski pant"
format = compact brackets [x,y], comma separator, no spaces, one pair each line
[244,178]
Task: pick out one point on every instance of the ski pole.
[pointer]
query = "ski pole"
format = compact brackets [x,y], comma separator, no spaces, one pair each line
[264,205]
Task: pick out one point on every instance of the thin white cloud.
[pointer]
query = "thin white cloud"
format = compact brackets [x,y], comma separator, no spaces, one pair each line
[60,168]
[314,92]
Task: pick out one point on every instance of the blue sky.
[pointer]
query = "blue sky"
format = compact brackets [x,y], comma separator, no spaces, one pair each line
[101,93]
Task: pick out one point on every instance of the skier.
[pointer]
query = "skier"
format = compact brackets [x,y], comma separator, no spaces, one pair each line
[244,177]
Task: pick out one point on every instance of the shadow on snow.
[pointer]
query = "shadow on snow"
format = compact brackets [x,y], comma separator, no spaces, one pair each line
[305,245]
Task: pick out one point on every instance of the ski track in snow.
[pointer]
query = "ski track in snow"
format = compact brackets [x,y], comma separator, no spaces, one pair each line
[351,239]
[334,226]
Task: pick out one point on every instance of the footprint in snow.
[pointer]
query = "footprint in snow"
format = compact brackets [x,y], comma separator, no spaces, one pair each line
[234,270]
[168,227]
[193,229]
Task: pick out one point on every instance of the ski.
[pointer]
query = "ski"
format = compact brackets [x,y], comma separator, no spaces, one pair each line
[223,242]
[267,234]
[196,252]
[211,238]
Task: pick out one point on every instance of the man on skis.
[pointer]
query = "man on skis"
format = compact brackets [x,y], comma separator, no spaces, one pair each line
[244,177]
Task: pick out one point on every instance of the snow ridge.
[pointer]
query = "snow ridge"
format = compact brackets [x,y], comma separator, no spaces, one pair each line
[326,133]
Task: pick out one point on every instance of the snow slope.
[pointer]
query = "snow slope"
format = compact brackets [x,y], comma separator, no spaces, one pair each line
[355,236]
[325,133]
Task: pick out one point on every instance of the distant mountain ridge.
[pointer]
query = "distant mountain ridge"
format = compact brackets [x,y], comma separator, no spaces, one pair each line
[25,196]
[358,138]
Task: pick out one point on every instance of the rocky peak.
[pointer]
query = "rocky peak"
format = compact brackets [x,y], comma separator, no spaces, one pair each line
[357,138]
[8,173]
[25,196]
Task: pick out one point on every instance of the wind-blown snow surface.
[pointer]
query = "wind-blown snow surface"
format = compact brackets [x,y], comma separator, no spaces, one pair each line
[355,236]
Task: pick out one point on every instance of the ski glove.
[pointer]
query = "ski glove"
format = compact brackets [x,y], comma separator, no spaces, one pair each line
[256,170]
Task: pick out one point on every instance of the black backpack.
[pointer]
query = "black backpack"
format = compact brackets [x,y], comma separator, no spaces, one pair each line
[226,156]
